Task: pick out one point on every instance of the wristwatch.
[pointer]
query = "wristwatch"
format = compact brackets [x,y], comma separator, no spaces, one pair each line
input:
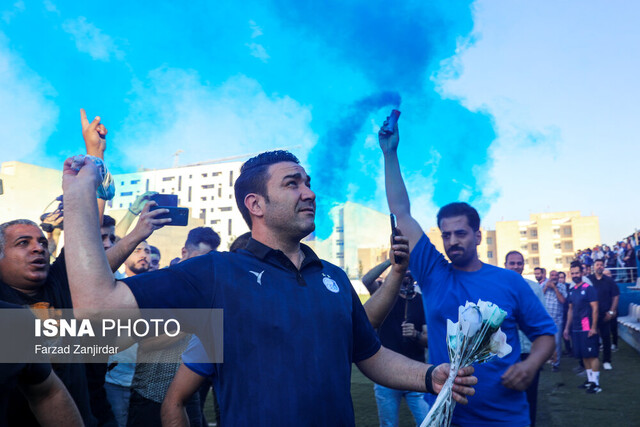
[611,312]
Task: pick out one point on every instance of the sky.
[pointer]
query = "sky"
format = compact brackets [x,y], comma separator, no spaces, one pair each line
[515,107]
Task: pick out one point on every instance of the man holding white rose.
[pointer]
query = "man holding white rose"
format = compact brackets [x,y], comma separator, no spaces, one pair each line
[500,398]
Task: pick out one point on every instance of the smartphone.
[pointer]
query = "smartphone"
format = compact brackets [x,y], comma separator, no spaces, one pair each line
[165,200]
[394,224]
[391,121]
[179,216]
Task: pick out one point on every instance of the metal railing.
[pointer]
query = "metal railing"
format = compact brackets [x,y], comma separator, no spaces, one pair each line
[624,274]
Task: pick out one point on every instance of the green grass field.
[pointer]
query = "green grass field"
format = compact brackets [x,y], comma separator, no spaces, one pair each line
[560,401]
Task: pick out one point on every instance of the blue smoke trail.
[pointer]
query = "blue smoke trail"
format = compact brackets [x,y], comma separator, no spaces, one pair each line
[330,158]
[396,46]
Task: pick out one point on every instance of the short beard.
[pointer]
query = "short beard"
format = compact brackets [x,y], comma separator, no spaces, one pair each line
[138,270]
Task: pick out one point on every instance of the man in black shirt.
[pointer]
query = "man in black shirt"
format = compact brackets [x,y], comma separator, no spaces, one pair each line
[608,297]
[48,398]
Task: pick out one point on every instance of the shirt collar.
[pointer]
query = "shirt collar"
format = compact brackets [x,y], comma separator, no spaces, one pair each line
[262,251]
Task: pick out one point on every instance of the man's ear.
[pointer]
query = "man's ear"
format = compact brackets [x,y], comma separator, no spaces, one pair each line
[184,253]
[255,204]
[478,235]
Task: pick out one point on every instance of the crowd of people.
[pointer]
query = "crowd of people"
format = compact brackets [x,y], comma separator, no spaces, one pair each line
[621,260]
[293,324]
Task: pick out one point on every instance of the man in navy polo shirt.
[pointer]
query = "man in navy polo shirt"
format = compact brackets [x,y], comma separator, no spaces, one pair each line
[293,323]
[582,326]
[445,286]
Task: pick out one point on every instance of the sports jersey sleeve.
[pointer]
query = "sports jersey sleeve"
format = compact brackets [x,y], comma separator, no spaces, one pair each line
[189,284]
[592,294]
[533,319]
[426,263]
[365,340]
[192,356]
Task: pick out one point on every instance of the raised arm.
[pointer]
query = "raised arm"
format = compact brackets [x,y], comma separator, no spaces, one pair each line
[93,287]
[381,302]
[134,210]
[147,224]
[397,196]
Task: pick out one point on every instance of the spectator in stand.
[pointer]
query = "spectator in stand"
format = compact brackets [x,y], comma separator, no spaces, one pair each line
[582,325]
[629,260]
[614,320]
[154,258]
[608,297]
[555,294]
[597,253]
[586,259]
[610,258]
[586,270]
[404,330]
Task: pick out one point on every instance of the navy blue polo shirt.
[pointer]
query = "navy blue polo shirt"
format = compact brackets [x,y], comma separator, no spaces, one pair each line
[581,297]
[290,336]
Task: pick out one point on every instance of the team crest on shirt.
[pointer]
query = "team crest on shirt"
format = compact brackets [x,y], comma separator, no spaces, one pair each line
[330,284]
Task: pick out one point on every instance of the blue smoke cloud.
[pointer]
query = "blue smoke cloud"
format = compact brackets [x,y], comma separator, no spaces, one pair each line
[397,47]
[331,157]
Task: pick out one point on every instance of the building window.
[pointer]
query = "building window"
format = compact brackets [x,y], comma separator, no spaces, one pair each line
[559,260]
[523,233]
[135,181]
[489,254]
[121,182]
[190,176]
[536,261]
[556,231]
[189,195]
[215,173]
[204,175]
[225,209]
[214,221]
[524,247]
[230,178]
[212,209]
[180,183]
[203,213]
[340,255]
[229,228]
[168,178]
[340,242]
[566,231]
[568,260]
[207,186]
[219,192]
[339,229]
[212,197]
[533,232]
[204,199]
[489,240]
[126,193]
[568,246]
[557,246]
[534,247]
[146,186]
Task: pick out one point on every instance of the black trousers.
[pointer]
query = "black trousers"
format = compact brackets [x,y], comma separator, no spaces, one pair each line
[604,330]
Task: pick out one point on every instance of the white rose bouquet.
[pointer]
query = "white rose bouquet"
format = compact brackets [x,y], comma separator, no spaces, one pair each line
[475,338]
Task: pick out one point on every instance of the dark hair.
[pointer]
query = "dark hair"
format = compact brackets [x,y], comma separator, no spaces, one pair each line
[538,268]
[599,260]
[108,221]
[240,242]
[563,273]
[204,235]
[254,176]
[512,253]
[154,250]
[457,209]
[576,264]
